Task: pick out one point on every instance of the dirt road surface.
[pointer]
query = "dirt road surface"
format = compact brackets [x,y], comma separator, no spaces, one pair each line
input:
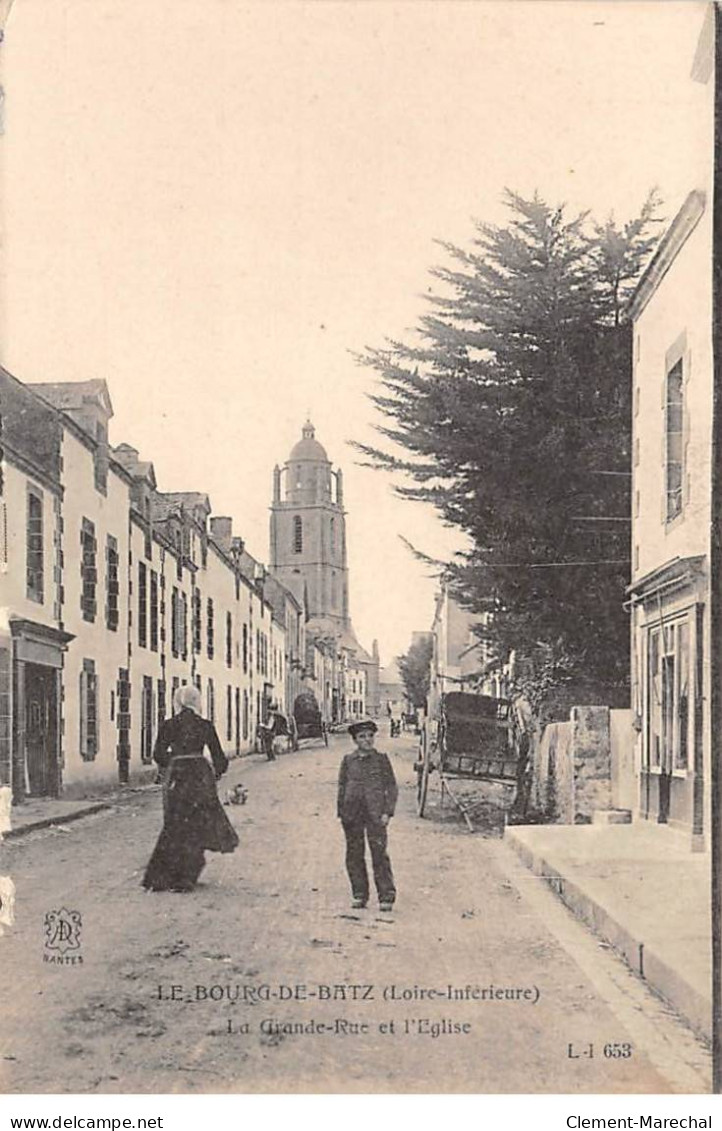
[264,979]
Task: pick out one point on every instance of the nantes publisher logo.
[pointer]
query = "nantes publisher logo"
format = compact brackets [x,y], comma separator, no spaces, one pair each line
[62,937]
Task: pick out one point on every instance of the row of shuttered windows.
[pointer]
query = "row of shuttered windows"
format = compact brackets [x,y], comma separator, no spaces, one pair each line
[150,609]
[35,564]
[150,604]
[153,710]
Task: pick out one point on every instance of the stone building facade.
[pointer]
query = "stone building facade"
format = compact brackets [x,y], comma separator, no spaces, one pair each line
[113,594]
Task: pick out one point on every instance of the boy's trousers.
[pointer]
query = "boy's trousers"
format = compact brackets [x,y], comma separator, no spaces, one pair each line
[356,832]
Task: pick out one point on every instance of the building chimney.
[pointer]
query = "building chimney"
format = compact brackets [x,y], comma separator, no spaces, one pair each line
[222,532]
[126,455]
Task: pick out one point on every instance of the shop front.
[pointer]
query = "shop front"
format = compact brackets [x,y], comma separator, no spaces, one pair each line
[669,648]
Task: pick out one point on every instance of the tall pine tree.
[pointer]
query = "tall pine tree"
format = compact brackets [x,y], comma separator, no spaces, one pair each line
[513,413]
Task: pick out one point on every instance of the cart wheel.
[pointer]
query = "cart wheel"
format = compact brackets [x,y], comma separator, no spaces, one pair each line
[422,773]
[325,735]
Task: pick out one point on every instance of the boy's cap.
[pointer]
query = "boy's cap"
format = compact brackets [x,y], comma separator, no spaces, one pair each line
[361,724]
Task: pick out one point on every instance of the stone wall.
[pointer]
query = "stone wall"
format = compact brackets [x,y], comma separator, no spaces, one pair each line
[573,768]
[552,793]
[592,761]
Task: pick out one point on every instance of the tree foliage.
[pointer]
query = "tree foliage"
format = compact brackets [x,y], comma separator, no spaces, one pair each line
[415,669]
[511,413]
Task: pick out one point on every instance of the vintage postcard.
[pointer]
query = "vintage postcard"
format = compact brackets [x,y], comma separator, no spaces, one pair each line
[356,726]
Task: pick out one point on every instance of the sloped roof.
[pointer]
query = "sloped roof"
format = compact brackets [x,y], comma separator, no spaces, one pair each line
[127,457]
[164,506]
[167,503]
[350,640]
[190,499]
[68,395]
[667,251]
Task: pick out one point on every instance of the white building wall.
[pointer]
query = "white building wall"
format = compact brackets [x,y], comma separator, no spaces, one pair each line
[679,310]
[146,662]
[455,648]
[355,691]
[215,582]
[244,677]
[231,681]
[13,581]
[277,664]
[94,641]
[675,324]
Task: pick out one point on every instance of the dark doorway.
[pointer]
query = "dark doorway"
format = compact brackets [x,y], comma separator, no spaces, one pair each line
[41,730]
[146,721]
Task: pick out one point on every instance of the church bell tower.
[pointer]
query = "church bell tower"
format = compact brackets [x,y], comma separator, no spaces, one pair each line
[308,531]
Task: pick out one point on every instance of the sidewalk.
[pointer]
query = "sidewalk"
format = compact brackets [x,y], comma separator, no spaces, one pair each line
[44,812]
[641,889]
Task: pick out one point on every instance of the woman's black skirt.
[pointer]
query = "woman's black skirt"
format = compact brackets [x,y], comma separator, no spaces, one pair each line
[195,821]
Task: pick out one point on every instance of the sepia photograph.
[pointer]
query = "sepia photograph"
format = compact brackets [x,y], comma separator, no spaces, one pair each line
[361,548]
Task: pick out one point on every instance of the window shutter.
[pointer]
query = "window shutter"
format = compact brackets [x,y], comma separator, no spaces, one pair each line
[83,714]
[92,722]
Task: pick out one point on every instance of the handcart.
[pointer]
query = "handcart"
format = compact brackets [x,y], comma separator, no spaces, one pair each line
[470,739]
[308,723]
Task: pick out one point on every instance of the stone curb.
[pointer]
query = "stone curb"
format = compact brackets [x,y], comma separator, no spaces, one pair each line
[96,806]
[642,958]
[63,819]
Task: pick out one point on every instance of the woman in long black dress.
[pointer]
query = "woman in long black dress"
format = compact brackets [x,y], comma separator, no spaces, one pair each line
[194,820]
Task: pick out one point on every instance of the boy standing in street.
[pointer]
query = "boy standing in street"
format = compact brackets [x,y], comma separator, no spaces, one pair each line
[367,795]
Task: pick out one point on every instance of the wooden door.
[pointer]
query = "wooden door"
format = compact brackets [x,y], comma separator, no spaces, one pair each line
[41,730]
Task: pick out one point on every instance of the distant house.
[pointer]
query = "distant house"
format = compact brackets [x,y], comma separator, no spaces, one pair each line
[458,657]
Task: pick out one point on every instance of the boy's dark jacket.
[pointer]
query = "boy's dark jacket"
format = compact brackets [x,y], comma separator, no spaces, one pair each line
[366,786]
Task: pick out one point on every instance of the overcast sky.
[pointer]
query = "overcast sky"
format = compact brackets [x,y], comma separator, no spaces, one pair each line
[210,203]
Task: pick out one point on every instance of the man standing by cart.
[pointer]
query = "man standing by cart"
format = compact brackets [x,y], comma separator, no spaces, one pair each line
[367,793]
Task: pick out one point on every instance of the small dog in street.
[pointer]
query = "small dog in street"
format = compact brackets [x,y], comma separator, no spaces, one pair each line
[238,795]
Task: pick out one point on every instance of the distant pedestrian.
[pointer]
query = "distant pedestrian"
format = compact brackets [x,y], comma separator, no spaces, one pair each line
[194,820]
[367,793]
[276,726]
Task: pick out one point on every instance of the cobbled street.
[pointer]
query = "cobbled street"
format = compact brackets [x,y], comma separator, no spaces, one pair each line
[157,1004]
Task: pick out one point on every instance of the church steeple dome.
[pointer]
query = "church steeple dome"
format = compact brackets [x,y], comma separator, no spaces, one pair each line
[309,477]
[308,449]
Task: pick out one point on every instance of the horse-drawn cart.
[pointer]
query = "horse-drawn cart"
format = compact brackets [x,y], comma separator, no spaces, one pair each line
[307,720]
[470,739]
